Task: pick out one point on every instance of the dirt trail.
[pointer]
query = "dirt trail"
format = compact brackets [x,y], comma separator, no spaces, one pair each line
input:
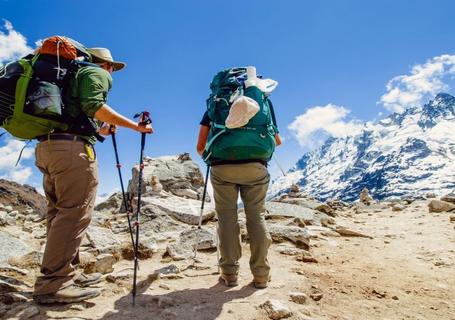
[407,271]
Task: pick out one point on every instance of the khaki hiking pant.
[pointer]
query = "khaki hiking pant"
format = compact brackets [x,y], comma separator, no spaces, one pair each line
[251,180]
[70,179]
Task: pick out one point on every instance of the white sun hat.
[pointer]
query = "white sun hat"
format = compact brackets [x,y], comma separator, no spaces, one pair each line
[104,54]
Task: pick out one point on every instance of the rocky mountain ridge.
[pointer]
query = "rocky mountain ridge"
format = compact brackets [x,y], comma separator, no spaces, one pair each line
[407,154]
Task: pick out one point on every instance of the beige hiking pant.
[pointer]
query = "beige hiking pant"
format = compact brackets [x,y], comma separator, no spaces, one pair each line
[70,179]
[251,180]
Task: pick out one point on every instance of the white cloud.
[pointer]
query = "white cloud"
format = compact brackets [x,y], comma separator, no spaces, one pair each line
[9,154]
[425,81]
[328,120]
[12,44]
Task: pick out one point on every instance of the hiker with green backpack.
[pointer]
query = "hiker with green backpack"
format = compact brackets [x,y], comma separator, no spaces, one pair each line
[237,138]
[57,95]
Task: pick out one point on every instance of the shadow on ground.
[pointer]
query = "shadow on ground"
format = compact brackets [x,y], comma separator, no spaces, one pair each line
[200,304]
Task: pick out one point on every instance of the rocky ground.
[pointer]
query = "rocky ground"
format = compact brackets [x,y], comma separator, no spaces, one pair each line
[369,260]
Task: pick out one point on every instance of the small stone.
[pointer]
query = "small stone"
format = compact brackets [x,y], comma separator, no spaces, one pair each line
[29,312]
[12,297]
[77,307]
[275,309]
[316,296]
[205,238]
[298,297]
[147,247]
[398,207]
[306,257]
[350,233]
[171,269]
[452,218]
[30,260]
[14,270]
[440,206]
[102,263]
[123,275]
[164,286]
[395,298]
[430,195]
[439,263]
[179,251]
[365,197]
[379,294]
[294,188]
[289,251]
[39,234]
[326,209]
[449,198]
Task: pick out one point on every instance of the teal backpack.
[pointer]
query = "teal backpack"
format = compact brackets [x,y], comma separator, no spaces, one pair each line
[255,140]
[32,90]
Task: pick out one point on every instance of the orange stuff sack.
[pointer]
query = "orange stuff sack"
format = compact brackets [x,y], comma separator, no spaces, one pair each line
[65,48]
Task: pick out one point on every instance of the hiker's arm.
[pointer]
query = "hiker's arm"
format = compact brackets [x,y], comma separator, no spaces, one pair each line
[202,139]
[108,115]
[277,139]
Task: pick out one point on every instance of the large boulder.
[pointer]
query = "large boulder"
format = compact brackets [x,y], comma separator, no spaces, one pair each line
[278,210]
[299,236]
[440,206]
[103,240]
[205,239]
[114,202]
[365,197]
[22,197]
[178,175]
[11,247]
[449,198]
[181,209]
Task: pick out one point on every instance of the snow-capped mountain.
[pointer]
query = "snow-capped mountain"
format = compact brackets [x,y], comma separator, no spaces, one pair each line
[405,154]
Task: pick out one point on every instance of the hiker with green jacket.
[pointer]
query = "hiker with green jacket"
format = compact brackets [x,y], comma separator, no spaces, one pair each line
[69,165]
[237,147]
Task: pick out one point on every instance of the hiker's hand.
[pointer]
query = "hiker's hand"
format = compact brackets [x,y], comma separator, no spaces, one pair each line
[144,128]
[107,129]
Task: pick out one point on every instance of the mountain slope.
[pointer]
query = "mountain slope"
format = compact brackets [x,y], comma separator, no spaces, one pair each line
[404,154]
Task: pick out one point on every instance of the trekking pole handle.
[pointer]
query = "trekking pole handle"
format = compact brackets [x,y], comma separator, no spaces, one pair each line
[112,129]
[144,117]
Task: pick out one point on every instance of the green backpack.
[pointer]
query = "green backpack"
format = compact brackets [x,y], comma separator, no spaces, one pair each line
[32,89]
[255,140]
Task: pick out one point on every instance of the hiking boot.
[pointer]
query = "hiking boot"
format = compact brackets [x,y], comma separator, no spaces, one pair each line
[261,282]
[230,280]
[69,294]
[85,280]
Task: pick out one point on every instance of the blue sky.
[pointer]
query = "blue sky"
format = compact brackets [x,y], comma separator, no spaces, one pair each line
[332,59]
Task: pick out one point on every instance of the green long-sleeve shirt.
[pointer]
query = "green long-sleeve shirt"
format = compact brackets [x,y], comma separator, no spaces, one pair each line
[87,93]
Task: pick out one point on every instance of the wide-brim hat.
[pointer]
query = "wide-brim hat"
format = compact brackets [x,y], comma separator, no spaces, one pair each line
[104,54]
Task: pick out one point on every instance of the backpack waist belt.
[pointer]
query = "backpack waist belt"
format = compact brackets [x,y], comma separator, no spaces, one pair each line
[60,137]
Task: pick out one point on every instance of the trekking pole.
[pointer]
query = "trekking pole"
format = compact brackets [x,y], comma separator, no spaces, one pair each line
[279,166]
[125,201]
[199,227]
[144,120]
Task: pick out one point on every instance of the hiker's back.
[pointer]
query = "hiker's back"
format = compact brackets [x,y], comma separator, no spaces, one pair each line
[90,85]
[253,138]
[241,129]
